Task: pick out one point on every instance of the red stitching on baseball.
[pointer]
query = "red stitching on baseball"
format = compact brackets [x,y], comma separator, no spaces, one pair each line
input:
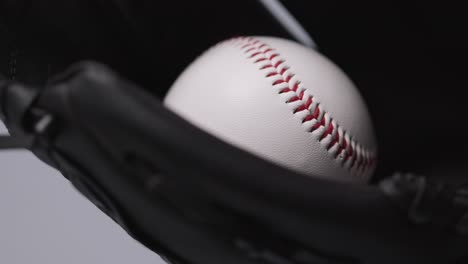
[304,106]
[273,56]
[278,64]
[296,85]
[285,90]
[279,82]
[294,99]
[272,74]
[262,53]
[255,54]
[301,94]
[335,140]
[327,132]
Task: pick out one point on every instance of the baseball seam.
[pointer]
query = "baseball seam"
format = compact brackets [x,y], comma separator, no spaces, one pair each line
[342,147]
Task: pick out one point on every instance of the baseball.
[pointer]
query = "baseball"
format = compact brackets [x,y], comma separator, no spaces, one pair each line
[281,101]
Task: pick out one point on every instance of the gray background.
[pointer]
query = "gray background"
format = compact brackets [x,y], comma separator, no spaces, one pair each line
[43,219]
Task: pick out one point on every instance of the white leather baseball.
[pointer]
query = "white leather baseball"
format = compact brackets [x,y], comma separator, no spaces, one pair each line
[281,101]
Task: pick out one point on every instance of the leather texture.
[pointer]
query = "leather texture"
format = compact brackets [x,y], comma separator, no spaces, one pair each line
[233,92]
